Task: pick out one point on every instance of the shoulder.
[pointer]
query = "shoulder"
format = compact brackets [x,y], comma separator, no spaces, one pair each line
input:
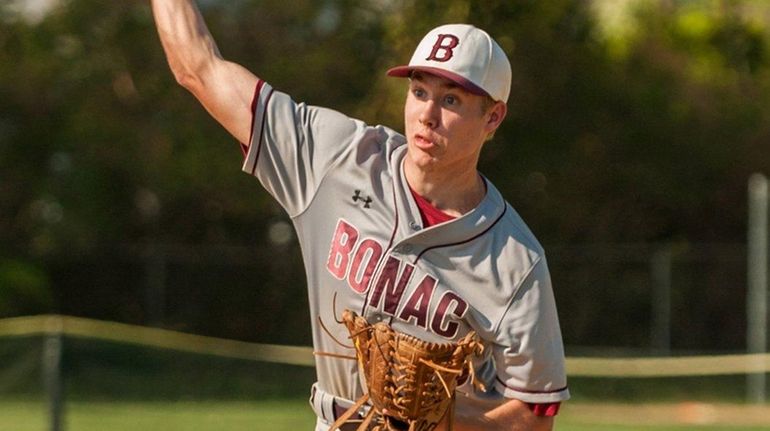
[323,130]
[369,148]
[340,127]
[513,240]
[381,140]
[522,244]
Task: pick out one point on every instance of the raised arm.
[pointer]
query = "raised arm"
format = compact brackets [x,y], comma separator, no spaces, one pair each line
[224,88]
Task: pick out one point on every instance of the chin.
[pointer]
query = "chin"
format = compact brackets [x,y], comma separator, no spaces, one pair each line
[425,164]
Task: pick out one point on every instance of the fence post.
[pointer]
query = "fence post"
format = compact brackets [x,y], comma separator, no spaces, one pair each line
[52,375]
[660,268]
[756,290]
[155,294]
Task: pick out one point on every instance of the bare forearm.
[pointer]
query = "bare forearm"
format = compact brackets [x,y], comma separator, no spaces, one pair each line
[513,415]
[188,44]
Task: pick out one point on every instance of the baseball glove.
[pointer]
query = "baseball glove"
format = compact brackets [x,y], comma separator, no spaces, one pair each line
[410,383]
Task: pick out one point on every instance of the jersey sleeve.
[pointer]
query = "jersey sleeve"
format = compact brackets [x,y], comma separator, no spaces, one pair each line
[528,352]
[293,145]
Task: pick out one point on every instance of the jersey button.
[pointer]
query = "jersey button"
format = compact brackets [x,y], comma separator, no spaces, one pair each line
[415,226]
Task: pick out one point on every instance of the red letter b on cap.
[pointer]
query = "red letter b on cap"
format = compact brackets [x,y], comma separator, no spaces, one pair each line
[445,44]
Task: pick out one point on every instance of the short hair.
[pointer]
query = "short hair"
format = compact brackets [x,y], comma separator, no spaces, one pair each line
[487,103]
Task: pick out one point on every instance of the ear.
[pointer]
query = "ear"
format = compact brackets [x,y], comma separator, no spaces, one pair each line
[496,116]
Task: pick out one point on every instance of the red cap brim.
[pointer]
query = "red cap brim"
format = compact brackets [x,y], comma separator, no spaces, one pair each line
[406,71]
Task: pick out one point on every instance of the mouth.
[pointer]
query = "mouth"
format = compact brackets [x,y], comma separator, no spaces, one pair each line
[423,142]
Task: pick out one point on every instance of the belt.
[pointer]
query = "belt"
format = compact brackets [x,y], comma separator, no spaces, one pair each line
[329,407]
[338,411]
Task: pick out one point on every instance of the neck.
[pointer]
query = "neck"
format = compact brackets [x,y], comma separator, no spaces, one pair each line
[452,192]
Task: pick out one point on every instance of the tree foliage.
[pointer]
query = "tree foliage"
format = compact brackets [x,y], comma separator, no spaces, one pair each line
[643,133]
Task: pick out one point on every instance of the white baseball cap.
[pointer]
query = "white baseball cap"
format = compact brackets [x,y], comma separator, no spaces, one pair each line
[465,55]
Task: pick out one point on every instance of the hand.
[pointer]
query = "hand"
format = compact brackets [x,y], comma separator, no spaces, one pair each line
[444,424]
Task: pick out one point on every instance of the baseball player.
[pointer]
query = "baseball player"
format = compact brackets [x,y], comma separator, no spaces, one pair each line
[401,228]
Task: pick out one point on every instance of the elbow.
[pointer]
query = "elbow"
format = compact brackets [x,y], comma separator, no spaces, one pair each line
[188,80]
[191,67]
[191,78]
[183,74]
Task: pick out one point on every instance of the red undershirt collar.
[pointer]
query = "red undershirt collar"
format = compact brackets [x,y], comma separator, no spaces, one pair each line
[430,215]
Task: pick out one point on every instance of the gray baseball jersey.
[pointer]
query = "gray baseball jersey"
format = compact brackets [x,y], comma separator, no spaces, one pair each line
[362,240]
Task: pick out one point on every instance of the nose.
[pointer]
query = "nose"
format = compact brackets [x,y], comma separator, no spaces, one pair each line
[429,114]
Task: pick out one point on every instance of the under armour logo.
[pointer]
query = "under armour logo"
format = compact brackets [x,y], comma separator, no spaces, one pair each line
[446,43]
[366,200]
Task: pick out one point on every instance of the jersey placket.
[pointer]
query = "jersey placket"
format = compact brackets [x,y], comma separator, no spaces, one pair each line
[406,214]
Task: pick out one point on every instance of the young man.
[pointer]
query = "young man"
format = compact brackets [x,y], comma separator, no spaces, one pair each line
[399,228]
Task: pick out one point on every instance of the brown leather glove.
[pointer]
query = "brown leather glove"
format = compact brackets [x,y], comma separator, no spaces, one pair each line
[410,383]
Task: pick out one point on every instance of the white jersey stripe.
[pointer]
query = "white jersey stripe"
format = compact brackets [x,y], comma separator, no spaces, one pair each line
[265,95]
[526,391]
[262,96]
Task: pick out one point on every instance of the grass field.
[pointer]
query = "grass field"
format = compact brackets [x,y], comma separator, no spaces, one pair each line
[142,381]
[295,415]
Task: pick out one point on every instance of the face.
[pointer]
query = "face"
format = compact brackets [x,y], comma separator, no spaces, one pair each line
[445,125]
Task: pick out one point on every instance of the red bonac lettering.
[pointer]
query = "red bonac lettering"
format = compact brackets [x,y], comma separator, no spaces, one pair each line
[345,237]
[367,255]
[459,307]
[418,304]
[391,285]
[445,44]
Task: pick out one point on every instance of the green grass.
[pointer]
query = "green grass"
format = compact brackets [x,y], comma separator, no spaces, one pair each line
[289,415]
[231,416]
[22,416]
[163,416]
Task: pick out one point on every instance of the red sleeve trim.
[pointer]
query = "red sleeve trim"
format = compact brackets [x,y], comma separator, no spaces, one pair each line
[254,101]
[544,409]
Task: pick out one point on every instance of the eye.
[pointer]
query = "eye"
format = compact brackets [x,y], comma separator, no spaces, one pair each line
[418,92]
[451,100]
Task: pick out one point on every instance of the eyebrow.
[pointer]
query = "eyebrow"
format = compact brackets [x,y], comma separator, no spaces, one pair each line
[418,76]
